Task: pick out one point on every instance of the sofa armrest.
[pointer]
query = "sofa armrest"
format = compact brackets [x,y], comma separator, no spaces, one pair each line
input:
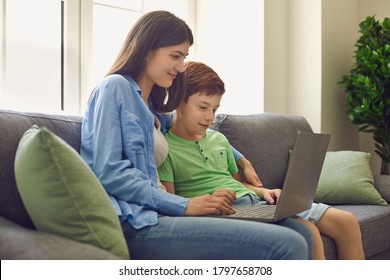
[19,243]
[382,184]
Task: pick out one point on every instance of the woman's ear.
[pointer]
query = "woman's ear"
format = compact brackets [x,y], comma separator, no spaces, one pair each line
[149,56]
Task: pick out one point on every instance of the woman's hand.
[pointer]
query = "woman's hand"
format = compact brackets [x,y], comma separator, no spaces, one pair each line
[226,193]
[208,205]
[249,172]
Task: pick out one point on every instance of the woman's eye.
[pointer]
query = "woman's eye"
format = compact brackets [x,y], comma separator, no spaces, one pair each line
[175,57]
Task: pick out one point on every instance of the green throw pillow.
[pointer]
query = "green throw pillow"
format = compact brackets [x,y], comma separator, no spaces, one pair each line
[62,195]
[346,178]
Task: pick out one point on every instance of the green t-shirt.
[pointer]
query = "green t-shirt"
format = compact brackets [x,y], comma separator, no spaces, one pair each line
[200,167]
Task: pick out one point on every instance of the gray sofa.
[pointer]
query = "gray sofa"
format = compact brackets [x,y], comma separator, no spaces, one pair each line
[263,138]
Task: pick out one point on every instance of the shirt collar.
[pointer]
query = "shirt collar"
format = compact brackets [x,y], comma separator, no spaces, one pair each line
[134,84]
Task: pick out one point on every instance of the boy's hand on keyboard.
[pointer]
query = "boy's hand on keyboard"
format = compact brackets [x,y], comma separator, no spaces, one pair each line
[272,195]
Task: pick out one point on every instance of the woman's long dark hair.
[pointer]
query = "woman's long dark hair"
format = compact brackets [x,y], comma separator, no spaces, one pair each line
[154,30]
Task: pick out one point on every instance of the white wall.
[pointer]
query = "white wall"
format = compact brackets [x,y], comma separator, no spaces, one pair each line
[275,56]
[309,47]
[293,58]
[339,34]
[229,39]
[2,48]
[304,60]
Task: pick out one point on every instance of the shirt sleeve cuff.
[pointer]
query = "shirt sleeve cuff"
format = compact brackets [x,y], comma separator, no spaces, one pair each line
[237,155]
[171,205]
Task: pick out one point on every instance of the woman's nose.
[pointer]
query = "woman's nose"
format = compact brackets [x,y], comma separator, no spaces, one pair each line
[180,66]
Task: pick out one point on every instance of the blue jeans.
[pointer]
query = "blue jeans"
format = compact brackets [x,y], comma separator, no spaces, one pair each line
[203,238]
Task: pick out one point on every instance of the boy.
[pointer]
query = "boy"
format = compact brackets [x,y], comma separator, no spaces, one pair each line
[200,161]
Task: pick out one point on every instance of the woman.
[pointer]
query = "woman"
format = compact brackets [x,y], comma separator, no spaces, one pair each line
[122,142]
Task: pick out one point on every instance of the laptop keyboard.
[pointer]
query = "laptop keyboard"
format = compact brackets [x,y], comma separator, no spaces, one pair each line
[257,211]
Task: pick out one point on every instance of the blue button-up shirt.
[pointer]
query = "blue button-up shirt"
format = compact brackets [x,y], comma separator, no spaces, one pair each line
[117,143]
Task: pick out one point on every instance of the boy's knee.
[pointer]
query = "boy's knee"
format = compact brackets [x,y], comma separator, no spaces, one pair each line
[350,220]
[345,223]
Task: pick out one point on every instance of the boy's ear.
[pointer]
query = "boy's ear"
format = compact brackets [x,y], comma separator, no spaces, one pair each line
[178,109]
[180,104]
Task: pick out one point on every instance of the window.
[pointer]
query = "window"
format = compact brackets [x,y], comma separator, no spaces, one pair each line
[31,55]
[230,40]
[111,21]
[51,58]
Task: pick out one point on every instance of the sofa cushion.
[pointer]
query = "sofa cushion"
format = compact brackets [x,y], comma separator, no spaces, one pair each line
[20,243]
[255,137]
[374,223]
[346,178]
[62,194]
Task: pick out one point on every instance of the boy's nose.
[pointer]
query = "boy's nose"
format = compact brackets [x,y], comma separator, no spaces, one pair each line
[209,116]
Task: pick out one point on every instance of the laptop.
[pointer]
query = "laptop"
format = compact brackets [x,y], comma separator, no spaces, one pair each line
[299,185]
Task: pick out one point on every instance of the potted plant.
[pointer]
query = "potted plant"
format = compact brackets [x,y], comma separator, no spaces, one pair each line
[368,86]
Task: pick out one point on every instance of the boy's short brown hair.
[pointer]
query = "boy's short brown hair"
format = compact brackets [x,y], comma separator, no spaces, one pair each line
[201,78]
